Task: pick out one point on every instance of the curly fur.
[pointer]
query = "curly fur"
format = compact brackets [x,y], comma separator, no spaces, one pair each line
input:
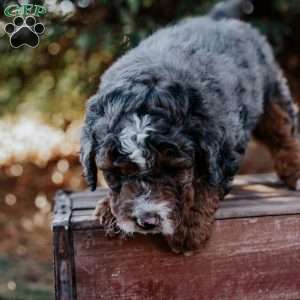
[173,116]
[276,131]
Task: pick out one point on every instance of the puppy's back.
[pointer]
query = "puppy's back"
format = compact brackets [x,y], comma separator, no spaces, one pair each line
[196,47]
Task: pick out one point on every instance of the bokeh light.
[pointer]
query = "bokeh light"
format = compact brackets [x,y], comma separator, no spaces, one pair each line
[11,285]
[63,165]
[10,199]
[41,201]
[53,48]
[57,177]
[16,170]
[27,224]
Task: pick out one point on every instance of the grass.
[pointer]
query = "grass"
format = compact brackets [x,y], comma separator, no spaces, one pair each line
[25,279]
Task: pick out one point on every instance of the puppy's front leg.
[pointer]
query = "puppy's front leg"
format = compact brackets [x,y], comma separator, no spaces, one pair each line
[197,220]
[106,218]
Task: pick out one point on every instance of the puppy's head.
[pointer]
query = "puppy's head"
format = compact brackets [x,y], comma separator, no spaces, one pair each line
[148,165]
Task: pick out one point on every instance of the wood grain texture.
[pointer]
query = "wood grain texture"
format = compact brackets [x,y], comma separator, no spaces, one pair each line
[251,258]
[253,253]
[64,270]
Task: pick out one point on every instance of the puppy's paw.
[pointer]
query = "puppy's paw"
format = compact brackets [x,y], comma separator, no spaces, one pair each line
[106,218]
[182,245]
[185,240]
[191,234]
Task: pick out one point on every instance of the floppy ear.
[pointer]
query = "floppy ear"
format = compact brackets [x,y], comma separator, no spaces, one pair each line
[87,158]
[108,153]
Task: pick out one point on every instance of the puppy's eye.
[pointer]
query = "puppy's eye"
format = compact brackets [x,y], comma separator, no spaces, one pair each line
[114,180]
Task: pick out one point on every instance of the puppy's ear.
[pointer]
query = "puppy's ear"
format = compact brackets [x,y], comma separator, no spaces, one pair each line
[108,152]
[87,158]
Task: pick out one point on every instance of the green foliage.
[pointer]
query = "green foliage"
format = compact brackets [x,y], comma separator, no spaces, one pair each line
[32,280]
[56,78]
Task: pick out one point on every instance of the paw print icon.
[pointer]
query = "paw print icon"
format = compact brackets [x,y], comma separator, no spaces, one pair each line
[24,32]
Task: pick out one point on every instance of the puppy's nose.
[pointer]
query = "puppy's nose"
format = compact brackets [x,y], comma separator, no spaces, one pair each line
[147,223]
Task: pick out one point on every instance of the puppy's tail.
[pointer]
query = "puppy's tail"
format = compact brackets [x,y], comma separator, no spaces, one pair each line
[231,9]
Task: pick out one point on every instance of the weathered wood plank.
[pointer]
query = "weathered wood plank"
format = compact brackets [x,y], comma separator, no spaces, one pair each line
[251,196]
[64,271]
[251,258]
[269,179]
[261,185]
[253,253]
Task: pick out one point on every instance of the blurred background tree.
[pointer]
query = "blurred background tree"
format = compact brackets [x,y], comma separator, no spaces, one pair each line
[83,37]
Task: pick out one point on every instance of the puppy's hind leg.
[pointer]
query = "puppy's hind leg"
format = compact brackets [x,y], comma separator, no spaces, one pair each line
[278,130]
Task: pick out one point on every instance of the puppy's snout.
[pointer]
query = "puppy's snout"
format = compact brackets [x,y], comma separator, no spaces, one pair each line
[147,222]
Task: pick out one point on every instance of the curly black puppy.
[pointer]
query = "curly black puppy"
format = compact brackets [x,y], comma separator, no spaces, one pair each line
[172,119]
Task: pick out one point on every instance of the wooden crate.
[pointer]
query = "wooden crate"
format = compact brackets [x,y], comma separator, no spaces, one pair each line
[254,251]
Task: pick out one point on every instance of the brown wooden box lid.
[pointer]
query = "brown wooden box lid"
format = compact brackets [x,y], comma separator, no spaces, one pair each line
[251,196]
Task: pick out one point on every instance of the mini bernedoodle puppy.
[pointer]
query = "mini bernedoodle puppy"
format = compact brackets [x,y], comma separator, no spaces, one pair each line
[172,119]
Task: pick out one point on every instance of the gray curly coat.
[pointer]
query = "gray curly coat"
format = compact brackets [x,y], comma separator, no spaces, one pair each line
[175,114]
